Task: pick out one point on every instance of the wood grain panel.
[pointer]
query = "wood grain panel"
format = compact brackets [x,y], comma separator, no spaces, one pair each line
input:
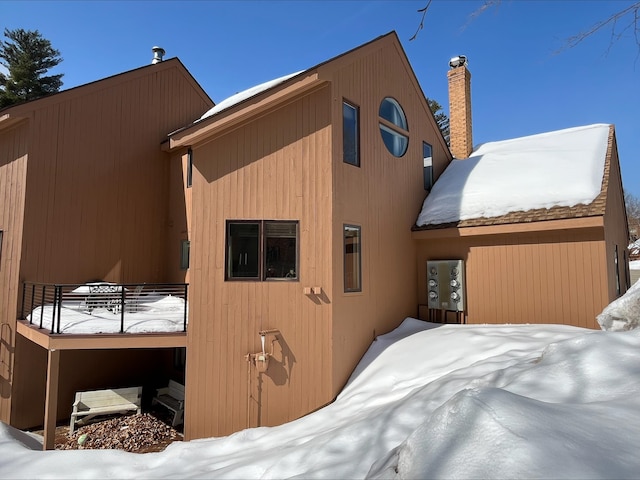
[93,201]
[13,161]
[543,278]
[256,172]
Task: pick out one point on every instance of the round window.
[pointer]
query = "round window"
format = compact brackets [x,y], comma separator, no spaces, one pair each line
[393,127]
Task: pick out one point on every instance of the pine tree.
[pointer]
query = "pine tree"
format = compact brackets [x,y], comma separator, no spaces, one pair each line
[441,118]
[27,57]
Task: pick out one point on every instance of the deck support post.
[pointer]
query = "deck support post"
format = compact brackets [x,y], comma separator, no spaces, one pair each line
[51,400]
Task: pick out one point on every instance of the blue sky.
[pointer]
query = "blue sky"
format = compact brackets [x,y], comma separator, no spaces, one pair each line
[520,86]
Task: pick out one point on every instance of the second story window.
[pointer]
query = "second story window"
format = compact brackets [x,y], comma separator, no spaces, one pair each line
[393,127]
[350,134]
[427,155]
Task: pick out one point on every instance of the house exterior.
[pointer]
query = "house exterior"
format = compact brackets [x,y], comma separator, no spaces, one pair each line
[290,212]
[301,234]
[84,194]
[562,263]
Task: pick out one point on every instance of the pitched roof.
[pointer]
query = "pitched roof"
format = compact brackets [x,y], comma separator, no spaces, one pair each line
[260,98]
[149,69]
[551,176]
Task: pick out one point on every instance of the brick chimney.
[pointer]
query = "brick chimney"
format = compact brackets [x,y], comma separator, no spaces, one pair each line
[460,108]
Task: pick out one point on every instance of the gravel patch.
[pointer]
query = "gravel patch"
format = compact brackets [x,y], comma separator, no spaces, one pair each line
[140,433]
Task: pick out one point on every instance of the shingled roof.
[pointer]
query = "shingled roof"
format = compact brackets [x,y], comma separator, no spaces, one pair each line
[596,207]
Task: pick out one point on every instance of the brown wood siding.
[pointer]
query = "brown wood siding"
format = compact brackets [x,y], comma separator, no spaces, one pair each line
[179,216]
[13,161]
[96,188]
[616,227]
[98,181]
[549,277]
[383,196]
[275,167]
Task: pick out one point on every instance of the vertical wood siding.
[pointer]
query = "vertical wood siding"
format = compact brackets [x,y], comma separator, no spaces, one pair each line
[273,168]
[13,160]
[536,278]
[95,191]
[288,165]
[616,226]
[98,181]
[384,196]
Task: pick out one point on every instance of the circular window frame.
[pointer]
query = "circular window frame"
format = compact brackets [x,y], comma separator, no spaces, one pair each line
[389,126]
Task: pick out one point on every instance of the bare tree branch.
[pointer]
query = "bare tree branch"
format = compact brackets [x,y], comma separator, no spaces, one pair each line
[421,26]
[630,18]
[487,4]
[621,22]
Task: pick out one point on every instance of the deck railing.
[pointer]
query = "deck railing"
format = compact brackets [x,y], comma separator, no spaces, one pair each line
[43,304]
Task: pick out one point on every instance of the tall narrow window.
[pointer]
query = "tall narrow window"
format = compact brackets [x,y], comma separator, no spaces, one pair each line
[189,168]
[262,250]
[1,248]
[393,127]
[615,261]
[627,273]
[428,165]
[352,259]
[185,251]
[350,134]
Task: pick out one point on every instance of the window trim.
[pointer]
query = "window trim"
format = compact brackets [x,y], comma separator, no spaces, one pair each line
[346,226]
[356,109]
[261,253]
[1,241]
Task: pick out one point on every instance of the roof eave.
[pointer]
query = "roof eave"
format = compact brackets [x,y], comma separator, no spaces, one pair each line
[253,107]
[8,120]
[433,232]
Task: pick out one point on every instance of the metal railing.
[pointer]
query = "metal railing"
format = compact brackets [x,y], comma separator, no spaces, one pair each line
[43,303]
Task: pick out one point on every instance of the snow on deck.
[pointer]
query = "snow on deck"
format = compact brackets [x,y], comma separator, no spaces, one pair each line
[156,314]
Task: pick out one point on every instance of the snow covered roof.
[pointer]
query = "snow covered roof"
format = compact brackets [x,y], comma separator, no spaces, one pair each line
[245,94]
[563,168]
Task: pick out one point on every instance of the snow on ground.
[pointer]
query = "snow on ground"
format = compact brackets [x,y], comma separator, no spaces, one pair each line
[426,401]
[520,174]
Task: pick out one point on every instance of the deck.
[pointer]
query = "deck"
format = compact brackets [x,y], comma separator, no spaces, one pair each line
[98,315]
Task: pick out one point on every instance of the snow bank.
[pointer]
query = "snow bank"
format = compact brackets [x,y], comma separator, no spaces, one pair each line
[623,313]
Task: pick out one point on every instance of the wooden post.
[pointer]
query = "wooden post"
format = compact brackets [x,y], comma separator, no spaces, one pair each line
[51,400]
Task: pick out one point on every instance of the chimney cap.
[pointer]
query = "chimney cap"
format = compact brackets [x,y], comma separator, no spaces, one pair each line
[158,53]
[459,61]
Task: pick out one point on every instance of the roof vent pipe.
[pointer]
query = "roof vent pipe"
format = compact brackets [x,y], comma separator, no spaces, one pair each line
[158,53]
